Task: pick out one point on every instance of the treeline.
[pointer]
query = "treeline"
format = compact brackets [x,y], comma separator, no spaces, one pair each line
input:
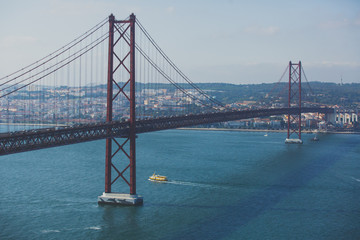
[347,95]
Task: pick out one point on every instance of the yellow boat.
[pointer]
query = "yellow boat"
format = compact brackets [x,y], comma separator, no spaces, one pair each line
[158,178]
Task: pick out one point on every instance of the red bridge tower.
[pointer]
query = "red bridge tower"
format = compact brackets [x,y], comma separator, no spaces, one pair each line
[120,158]
[294,100]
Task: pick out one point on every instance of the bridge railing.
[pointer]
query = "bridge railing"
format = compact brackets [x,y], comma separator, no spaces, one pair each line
[22,141]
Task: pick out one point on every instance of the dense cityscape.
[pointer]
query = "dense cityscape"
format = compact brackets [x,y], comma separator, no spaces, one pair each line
[74,105]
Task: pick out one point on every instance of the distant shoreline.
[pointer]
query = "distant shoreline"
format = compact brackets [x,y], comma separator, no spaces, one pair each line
[199,129]
[33,124]
[262,130]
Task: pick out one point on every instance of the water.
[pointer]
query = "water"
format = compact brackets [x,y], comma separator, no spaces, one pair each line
[223,185]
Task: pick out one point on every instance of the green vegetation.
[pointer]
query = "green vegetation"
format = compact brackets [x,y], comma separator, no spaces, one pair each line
[346,95]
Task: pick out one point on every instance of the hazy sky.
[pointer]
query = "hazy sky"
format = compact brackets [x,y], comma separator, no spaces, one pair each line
[231,41]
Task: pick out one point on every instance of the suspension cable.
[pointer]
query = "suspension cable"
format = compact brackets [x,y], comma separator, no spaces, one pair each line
[36,80]
[277,83]
[170,80]
[307,82]
[68,57]
[60,50]
[175,67]
[156,67]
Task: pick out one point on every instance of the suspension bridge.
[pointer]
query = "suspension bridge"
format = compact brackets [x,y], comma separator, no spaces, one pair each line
[106,85]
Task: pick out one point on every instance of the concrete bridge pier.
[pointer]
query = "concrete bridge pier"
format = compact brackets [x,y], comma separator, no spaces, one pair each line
[120,199]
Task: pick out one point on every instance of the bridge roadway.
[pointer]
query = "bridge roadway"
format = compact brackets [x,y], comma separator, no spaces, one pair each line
[29,140]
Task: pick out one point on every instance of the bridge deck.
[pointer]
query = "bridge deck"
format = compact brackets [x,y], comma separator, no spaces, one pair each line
[22,141]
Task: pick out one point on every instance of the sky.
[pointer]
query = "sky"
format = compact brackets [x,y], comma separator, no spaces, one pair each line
[230,41]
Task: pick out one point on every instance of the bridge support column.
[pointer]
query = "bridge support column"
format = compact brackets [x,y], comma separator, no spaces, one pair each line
[294,100]
[120,157]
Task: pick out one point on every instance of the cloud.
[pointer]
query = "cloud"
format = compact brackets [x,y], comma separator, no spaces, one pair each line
[343,23]
[357,21]
[76,8]
[258,30]
[335,24]
[170,9]
[10,41]
[335,64]
[268,72]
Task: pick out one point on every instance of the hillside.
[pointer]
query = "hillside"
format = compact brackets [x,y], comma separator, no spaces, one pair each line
[347,95]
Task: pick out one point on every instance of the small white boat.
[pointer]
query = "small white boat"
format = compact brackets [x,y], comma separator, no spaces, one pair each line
[157,178]
[315,139]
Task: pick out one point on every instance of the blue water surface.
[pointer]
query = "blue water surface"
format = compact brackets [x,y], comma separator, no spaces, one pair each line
[222,185]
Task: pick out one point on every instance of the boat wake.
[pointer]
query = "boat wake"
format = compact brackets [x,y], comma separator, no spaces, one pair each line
[70,229]
[93,228]
[50,231]
[358,180]
[192,184]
